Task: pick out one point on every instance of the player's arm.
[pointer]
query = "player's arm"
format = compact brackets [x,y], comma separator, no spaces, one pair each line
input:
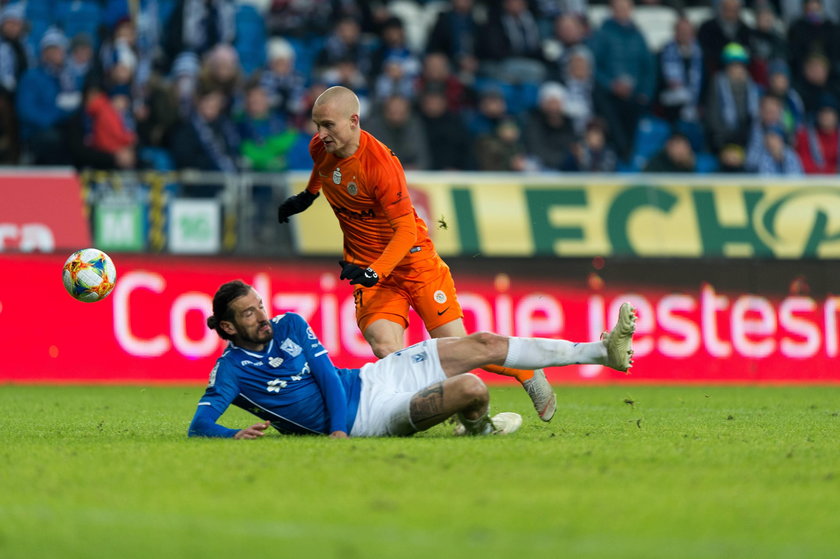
[204,425]
[324,373]
[221,390]
[392,193]
[301,201]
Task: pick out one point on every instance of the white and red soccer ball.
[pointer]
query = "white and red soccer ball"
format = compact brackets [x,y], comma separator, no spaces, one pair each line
[89,275]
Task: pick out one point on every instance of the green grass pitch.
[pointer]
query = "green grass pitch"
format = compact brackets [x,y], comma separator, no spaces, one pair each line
[622,471]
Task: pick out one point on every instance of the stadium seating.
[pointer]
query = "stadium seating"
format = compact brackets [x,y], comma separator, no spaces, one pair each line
[79,16]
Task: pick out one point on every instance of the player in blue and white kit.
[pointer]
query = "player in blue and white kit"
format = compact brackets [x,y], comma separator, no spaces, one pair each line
[278,370]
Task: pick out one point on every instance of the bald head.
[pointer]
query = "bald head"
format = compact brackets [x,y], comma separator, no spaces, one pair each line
[343,101]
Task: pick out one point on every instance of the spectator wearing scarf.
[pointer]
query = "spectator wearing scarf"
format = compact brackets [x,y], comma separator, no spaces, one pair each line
[733,100]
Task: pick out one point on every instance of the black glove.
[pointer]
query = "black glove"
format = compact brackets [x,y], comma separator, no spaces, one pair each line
[294,205]
[358,275]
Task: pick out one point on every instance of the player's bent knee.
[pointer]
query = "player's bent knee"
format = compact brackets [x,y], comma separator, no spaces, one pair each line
[471,390]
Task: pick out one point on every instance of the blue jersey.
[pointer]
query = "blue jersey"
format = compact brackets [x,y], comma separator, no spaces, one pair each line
[291,383]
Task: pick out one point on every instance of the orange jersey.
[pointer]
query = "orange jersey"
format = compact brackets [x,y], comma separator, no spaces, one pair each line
[368,194]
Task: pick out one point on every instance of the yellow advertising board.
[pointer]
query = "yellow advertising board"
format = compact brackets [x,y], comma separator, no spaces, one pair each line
[610,215]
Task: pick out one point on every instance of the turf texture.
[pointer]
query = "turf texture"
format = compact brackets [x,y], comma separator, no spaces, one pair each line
[622,471]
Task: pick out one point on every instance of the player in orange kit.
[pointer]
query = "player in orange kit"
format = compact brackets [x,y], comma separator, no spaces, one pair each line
[388,254]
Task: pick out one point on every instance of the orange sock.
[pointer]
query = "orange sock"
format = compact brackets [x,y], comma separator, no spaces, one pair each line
[519,374]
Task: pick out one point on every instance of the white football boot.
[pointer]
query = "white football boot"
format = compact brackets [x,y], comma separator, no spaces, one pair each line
[619,340]
[541,394]
[503,423]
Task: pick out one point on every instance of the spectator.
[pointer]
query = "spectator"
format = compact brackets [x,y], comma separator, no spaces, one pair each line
[45,99]
[185,82]
[491,110]
[437,75]
[510,47]
[13,57]
[732,159]
[394,49]
[396,126]
[810,33]
[776,157]
[108,130]
[284,85]
[207,140]
[580,82]
[199,25]
[221,71]
[592,154]
[548,133]
[80,60]
[13,63]
[818,142]
[681,71]
[793,110]
[815,82]
[448,141]
[733,101]
[767,44]
[454,34]
[144,31]
[301,20]
[570,33]
[676,156]
[394,81]
[624,75]
[724,28]
[769,116]
[502,149]
[344,44]
[264,135]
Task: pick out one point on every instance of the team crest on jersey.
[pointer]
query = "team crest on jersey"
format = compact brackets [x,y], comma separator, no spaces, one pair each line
[352,189]
[291,347]
[337,176]
[275,361]
[440,296]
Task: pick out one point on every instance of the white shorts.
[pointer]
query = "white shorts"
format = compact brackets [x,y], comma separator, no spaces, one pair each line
[388,386]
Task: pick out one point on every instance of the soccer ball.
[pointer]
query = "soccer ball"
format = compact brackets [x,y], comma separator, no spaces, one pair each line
[89,275]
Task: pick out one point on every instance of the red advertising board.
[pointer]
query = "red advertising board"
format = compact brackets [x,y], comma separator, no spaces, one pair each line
[698,328]
[41,211]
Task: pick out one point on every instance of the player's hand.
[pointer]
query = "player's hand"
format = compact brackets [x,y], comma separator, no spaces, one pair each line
[358,275]
[253,432]
[339,435]
[295,204]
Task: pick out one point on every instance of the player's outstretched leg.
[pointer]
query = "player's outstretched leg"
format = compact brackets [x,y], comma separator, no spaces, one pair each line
[459,355]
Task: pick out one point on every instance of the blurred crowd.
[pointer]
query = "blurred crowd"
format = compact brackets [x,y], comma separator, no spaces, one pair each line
[495,85]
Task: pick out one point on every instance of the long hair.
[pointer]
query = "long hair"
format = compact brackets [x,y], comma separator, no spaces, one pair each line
[221,305]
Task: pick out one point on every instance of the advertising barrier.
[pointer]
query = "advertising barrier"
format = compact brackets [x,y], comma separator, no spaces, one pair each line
[699,321]
[688,216]
[41,211]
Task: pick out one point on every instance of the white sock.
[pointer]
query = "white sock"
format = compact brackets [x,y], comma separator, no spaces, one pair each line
[536,353]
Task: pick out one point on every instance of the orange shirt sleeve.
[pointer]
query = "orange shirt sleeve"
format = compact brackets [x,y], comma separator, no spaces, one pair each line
[405,235]
[390,189]
[316,151]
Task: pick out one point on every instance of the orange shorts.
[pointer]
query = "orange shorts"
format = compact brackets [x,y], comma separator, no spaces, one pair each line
[426,286]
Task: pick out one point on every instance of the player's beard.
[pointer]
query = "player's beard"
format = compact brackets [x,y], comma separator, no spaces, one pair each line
[261,335]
